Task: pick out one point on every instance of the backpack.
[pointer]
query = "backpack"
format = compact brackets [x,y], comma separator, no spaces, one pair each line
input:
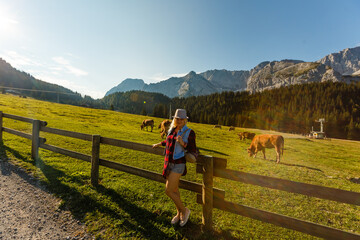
[190,157]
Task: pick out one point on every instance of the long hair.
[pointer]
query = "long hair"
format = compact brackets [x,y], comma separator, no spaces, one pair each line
[172,125]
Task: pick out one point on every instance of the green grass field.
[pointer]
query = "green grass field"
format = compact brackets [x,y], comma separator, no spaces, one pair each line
[127,206]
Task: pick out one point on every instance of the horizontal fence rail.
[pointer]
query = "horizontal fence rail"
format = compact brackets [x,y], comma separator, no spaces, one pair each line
[23,119]
[21,134]
[282,221]
[66,133]
[132,145]
[66,152]
[19,118]
[184,184]
[218,162]
[291,186]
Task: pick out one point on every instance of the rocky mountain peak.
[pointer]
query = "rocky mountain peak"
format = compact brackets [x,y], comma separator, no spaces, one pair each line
[287,72]
[225,80]
[346,62]
[190,75]
[127,85]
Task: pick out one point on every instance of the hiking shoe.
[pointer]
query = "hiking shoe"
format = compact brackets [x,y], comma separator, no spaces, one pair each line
[175,220]
[186,217]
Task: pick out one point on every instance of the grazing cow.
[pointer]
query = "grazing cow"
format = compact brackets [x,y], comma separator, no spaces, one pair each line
[260,142]
[241,135]
[146,123]
[249,135]
[165,125]
[231,128]
[217,126]
[246,135]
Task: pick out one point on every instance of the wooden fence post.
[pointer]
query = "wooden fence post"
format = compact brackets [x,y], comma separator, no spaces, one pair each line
[95,160]
[35,139]
[207,192]
[1,124]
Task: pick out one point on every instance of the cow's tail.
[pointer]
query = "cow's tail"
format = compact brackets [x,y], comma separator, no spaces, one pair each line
[283,145]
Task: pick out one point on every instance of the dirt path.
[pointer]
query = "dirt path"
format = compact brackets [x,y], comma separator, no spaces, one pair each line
[27,211]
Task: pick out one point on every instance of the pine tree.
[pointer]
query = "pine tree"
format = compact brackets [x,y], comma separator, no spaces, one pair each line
[351,130]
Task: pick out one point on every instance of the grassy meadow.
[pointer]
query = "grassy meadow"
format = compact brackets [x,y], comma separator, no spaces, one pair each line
[127,206]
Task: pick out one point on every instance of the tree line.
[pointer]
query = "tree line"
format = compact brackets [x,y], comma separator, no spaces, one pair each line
[292,109]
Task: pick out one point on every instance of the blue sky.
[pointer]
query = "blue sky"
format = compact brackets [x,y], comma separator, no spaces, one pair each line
[91,46]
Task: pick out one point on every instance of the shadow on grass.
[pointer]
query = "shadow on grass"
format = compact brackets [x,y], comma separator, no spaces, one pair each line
[4,149]
[5,167]
[210,150]
[296,165]
[143,223]
[5,170]
[355,180]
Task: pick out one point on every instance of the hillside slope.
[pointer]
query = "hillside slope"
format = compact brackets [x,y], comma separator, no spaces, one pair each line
[11,77]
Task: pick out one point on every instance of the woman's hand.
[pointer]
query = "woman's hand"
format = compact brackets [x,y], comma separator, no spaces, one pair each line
[156,145]
[180,140]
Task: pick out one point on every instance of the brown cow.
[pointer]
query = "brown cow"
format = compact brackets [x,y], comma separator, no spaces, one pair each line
[146,123]
[249,135]
[260,142]
[231,128]
[217,126]
[165,125]
[241,135]
[246,135]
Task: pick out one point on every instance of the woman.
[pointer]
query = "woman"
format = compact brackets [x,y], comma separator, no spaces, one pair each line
[180,138]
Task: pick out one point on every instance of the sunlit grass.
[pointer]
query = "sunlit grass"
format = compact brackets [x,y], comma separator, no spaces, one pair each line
[126,206]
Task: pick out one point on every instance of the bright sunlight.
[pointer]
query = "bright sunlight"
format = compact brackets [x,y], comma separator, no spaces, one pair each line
[8,22]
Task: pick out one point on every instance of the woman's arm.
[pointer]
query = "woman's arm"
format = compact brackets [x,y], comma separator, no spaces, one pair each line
[163,143]
[156,145]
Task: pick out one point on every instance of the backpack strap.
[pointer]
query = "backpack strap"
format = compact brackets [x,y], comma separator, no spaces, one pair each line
[183,135]
[185,132]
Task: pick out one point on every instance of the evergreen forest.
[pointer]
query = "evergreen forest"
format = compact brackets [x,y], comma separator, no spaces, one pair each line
[292,109]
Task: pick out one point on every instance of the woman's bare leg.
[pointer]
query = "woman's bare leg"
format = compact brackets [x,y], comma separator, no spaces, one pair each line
[172,190]
[177,192]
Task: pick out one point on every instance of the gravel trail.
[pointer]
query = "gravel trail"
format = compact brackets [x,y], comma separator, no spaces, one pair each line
[28,211]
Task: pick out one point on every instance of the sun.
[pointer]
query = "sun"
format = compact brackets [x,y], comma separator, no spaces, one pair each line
[8,22]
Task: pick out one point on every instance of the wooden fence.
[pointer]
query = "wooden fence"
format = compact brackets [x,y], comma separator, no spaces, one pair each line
[210,167]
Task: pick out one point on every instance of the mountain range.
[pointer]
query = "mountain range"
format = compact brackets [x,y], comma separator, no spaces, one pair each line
[343,66]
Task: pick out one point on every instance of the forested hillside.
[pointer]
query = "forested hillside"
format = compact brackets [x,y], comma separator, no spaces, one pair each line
[288,109]
[137,102]
[13,78]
